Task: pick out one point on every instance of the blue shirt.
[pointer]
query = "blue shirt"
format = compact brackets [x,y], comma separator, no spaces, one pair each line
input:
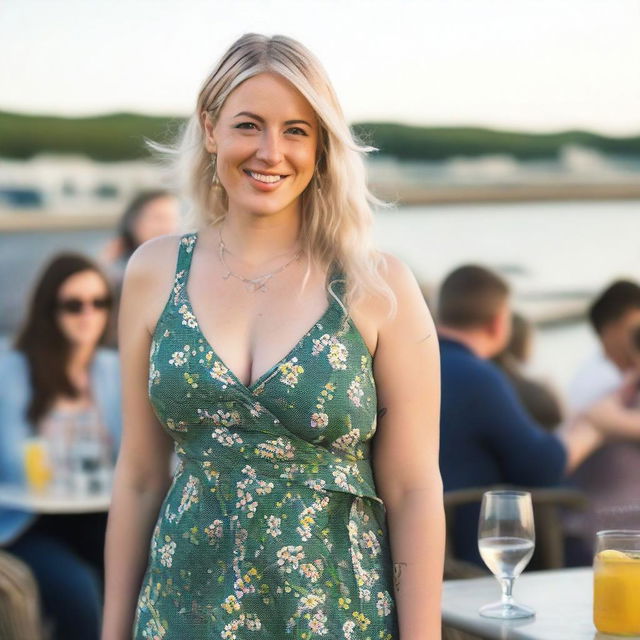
[15,394]
[487,438]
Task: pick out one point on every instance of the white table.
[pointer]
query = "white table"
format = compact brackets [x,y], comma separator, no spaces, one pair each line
[17,497]
[562,599]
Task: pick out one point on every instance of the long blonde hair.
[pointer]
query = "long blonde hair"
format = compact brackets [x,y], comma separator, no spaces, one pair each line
[337,219]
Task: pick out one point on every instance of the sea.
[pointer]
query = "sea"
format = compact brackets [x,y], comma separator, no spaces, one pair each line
[557,249]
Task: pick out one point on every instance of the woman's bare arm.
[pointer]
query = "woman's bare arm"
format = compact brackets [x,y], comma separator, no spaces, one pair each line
[407,374]
[614,419]
[142,474]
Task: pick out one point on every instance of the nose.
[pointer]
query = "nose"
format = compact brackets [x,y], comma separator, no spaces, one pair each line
[269,149]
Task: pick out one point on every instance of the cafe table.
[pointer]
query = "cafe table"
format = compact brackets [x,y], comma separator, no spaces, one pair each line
[562,600]
[18,497]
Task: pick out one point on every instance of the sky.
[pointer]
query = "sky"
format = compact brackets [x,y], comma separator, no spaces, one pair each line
[533,65]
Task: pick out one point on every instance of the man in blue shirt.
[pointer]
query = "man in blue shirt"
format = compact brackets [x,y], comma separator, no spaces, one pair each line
[486,437]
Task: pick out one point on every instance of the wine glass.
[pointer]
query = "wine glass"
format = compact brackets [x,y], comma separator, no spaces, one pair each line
[506,539]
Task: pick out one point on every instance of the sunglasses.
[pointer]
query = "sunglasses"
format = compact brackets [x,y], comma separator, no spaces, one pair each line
[76,305]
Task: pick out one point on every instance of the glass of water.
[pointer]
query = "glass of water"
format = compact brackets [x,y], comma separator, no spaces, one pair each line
[506,539]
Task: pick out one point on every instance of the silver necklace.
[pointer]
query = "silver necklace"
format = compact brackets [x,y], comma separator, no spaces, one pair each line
[252,284]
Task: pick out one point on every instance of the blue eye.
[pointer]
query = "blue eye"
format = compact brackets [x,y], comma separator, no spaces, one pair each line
[298,131]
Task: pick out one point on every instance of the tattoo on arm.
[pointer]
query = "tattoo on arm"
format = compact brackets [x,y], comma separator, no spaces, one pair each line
[397,572]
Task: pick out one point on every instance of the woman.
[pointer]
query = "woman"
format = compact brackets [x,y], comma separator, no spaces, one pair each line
[58,376]
[261,340]
[150,214]
[539,400]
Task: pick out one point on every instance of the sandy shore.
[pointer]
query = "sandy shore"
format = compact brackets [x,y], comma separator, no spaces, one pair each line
[507,193]
[36,220]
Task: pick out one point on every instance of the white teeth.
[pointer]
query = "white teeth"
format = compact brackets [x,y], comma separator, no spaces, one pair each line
[264,178]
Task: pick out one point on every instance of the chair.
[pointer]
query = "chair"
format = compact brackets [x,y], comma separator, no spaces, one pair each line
[20,617]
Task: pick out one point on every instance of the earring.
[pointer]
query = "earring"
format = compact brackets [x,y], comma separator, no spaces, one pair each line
[215,181]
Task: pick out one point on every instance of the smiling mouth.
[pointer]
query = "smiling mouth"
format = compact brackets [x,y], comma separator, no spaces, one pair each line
[264,177]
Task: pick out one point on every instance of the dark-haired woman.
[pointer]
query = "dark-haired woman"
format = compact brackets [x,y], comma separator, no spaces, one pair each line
[539,400]
[58,371]
[150,214]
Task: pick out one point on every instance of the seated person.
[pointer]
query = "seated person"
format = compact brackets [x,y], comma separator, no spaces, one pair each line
[612,315]
[610,477]
[486,437]
[60,385]
[150,214]
[537,399]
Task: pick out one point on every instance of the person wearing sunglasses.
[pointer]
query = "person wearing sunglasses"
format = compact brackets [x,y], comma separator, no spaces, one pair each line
[60,383]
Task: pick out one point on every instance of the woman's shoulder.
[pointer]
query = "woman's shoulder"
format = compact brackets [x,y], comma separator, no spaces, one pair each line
[395,271]
[155,253]
[401,281]
[152,267]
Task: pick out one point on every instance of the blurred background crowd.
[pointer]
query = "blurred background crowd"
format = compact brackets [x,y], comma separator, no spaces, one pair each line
[522,230]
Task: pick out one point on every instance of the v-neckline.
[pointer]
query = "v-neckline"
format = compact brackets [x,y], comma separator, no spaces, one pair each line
[261,379]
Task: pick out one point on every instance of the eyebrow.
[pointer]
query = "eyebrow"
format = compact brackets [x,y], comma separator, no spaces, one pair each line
[260,119]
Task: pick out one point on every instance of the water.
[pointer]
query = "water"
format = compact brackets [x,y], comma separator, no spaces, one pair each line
[558,248]
[540,247]
[505,556]
[543,246]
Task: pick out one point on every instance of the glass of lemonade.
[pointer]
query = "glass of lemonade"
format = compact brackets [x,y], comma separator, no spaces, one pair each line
[616,582]
[506,539]
[36,463]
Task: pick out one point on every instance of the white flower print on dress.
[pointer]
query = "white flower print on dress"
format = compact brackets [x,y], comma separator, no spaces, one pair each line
[355,391]
[371,543]
[166,552]
[290,372]
[280,449]
[214,530]
[221,373]
[317,624]
[190,494]
[188,319]
[178,358]
[347,441]
[337,353]
[348,628]
[289,557]
[319,420]
[311,601]
[226,437]
[273,526]
[383,603]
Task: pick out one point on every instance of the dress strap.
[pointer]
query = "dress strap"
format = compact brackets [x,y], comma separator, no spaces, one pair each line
[185,254]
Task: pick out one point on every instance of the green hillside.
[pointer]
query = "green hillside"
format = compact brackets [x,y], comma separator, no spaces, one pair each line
[119,136]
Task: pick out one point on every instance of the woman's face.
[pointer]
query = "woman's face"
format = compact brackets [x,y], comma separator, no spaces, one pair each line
[265,139]
[83,308]
[159,217]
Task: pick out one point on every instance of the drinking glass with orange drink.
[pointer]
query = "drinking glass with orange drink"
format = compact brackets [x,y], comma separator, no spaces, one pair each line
[36,462]
[616,583]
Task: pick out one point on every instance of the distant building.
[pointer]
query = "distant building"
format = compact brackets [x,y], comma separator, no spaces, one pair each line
[73,184]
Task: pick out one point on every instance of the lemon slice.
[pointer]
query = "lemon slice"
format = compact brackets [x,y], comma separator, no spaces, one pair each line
[613,554]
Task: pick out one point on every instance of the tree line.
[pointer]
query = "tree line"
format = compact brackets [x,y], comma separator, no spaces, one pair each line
[120,136]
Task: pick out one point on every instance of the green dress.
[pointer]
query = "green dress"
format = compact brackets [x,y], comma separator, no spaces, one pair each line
[272,527]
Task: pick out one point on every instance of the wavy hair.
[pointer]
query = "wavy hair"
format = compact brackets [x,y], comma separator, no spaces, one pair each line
[336,206]
[43,342]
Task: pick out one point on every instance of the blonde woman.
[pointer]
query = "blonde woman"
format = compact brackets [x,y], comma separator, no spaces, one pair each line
[294,369]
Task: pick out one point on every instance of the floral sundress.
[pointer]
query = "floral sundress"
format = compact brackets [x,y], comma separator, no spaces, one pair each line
[272,527]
